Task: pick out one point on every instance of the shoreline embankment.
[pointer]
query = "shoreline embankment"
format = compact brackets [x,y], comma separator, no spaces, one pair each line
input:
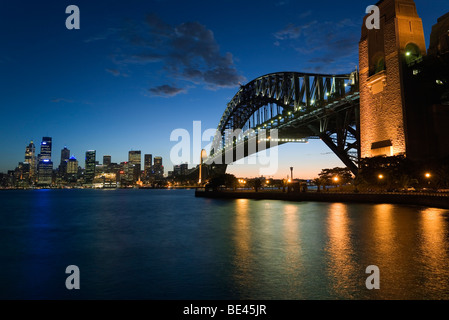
[420,199]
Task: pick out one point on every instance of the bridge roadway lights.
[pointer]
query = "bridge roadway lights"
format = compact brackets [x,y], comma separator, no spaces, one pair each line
[304,105]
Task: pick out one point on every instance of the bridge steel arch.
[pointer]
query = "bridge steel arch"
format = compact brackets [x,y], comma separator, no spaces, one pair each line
[299,106]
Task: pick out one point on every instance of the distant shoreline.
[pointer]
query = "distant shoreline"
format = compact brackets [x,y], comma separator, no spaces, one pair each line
[428,200]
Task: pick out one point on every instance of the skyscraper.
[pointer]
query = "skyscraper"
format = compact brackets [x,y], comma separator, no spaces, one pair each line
[106,160]
[45,166]
[135,158]
[65,155]
[30,158]
[148,165]
[45,149]
[89,173]
[158,168]
[72,169]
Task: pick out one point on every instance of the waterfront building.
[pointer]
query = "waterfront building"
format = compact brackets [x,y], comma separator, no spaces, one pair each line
[106,160]
[45,149]
[30,158]
[45,165]
[89,173]
[65,155]
[135,158]
[158,168]
[72,169]
[148,165]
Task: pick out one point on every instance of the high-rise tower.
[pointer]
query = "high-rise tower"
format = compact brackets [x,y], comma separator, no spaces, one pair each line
[89,173]
[65,155]
[383,53]
[30,158]
[135,158]
[158,167]
[148,165]
[106,160]
[45,166]
[45,149]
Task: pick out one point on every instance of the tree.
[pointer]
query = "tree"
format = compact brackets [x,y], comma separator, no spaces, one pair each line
[255,183]
[227,180]
[318,182]
[339,176]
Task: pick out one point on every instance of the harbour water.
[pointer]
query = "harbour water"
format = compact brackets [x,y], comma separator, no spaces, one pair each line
[168,244]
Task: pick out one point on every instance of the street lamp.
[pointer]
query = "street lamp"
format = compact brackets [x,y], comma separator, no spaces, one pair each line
[428,176]
[203,155]
[381,176]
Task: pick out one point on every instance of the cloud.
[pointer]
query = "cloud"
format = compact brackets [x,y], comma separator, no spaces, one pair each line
[282,3]
[187,53]
[58,100]
[294,32]
[102,36]
[116,72]
[305,14]
[329,46]
[166,91]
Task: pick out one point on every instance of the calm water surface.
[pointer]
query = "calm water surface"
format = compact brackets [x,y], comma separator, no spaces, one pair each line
[167,244]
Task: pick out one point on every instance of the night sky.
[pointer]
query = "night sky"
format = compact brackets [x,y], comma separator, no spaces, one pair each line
[137,70]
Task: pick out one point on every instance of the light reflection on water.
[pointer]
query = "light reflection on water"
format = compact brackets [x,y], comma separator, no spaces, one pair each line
[145,244]
[341,252]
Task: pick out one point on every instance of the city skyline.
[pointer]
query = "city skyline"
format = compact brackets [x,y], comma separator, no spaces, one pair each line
[68,154]
[108,86]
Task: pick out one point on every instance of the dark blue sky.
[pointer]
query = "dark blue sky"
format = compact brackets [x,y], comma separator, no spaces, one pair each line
[137,70]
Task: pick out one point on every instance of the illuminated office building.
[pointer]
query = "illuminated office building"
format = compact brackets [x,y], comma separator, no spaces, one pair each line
[106,160]
[148,165]
[65,155]
[45,165]
[30,158]
[135,158]
[89,173]
[72,169]
[158,167]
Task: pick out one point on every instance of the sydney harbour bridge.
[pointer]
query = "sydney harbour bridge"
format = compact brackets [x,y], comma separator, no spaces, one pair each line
[297,106]
[396,103]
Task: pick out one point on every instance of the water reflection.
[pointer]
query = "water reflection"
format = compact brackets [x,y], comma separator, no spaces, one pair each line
[383,248]
[291,237]
[242,240]
[340,250]
[434,252]
[292,265]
